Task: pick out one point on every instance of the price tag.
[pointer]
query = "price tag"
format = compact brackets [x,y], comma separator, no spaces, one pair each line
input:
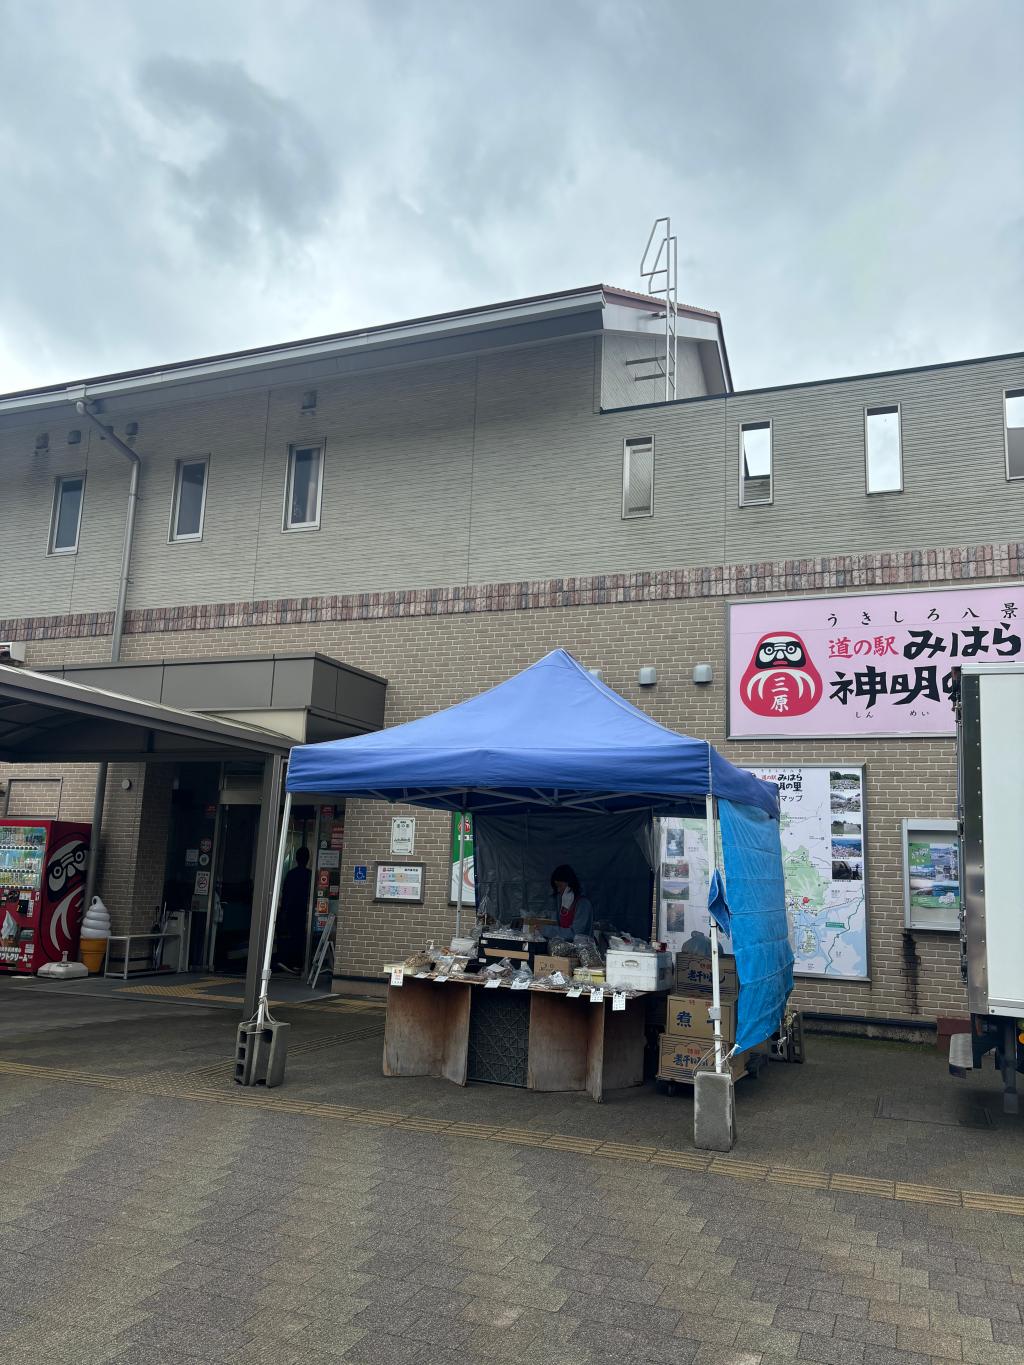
[520,984]
[492,983]
[440,980]
[422,976]
[597,995]
[397,975]
[574,994]
[619,1000]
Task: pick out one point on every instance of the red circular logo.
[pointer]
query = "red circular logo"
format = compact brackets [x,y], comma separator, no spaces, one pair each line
[780,679]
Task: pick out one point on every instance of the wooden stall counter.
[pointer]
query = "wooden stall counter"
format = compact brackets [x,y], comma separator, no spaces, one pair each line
[555,1041]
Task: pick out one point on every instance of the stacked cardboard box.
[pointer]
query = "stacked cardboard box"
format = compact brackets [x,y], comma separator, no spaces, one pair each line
[687,1044]
[693,972]
[682,1056]
[688,1015]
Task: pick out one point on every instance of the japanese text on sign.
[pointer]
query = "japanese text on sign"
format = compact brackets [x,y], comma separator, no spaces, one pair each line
[878,665]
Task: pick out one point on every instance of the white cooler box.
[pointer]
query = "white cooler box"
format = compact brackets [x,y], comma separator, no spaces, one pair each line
[640,971]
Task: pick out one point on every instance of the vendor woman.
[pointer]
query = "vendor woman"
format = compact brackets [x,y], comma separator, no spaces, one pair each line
[573,911]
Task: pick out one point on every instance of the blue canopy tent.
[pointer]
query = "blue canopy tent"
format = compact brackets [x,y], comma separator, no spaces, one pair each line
[555,738]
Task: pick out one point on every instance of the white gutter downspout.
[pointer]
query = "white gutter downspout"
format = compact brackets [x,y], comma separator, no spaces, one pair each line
[82,408]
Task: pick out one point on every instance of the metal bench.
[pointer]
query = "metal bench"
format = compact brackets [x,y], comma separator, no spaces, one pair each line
[126,956]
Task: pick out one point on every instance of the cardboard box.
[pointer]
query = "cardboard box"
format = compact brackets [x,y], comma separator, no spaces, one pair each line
[547,966]
[682,1056]
[688,1014]
[693,972]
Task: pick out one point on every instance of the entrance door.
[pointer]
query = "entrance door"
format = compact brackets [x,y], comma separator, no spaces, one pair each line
[233,882]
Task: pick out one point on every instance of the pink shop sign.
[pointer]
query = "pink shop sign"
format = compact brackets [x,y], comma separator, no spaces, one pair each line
[818,667]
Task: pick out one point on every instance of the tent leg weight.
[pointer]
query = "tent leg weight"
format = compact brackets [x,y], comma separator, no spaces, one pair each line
[714,1111]
[260,1054]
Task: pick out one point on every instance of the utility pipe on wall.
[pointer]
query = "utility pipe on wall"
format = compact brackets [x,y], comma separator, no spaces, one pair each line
[82,408]
[129,523]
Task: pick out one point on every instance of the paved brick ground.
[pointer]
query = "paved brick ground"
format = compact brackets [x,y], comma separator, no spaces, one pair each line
[153,1212]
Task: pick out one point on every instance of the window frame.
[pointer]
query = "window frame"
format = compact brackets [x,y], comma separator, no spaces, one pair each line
[882,409]
[627,442]
[1007,394]
[173,538]
[759,423]
[289,480]
[58,484]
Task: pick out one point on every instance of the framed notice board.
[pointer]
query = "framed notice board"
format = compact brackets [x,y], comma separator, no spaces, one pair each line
[931,875]
[399,882]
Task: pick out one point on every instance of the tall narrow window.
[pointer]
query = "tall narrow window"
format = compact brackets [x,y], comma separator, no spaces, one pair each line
[302,494]
[883,450]
[755,464]
[68,495]
[189,507]
[638,477]
[1014,416]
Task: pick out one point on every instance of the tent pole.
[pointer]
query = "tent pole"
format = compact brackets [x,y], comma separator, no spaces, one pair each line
[275,902]
[716,989]
[462,872]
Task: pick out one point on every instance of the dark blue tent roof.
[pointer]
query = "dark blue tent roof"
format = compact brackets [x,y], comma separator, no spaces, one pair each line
[553,736]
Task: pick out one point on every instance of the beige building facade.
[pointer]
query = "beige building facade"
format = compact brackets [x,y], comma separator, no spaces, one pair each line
[442,503]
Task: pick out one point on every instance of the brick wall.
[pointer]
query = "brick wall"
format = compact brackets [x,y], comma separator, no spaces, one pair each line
[617,623]
[435,662]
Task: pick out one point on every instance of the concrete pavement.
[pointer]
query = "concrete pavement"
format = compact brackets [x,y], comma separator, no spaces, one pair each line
[872,1212]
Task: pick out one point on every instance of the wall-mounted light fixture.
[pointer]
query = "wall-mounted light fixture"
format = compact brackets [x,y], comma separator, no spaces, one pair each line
[703,674]
[309,401]
[74,437]
[596,673]
[131,429]
[42,443]
[647,677]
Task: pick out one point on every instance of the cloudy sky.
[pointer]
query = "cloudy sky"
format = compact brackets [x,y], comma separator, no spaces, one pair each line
[845,178]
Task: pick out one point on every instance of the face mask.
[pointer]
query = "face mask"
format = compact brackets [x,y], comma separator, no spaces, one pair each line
[567,898]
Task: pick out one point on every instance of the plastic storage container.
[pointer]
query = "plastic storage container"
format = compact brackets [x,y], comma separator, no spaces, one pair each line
[626,970]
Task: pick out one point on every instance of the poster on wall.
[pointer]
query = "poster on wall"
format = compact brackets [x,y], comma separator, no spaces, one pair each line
[931,875]
[822,828]
[469,869]
[870,666]
[399,882]
[403,835]
[683,880]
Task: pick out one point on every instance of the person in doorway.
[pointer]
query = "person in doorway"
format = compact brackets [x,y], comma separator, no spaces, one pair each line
[573,911]
[291,916]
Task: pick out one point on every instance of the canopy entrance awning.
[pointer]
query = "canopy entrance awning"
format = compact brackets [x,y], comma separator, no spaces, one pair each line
[46,719]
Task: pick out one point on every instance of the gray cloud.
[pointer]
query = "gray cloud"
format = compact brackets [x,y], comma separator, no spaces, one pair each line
[844,179]
[243,163]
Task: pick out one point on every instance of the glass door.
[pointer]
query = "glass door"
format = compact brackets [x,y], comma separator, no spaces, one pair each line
[233,884]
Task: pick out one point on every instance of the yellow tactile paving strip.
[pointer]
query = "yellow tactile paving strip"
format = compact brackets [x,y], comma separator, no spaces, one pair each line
[190,1087]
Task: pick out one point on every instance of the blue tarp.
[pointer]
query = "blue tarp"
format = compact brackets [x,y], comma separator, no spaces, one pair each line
[553,736]
[752,908]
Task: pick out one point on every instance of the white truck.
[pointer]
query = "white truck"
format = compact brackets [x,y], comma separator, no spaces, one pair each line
[988,699]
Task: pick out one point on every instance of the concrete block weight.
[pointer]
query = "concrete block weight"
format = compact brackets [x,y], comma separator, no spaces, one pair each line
[714,1111]
[260,1054]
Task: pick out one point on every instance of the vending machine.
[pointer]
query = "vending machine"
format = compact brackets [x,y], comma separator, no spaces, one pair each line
[42,883]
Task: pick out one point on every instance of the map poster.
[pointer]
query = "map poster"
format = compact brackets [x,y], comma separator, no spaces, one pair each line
[823,863]
[683,880]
